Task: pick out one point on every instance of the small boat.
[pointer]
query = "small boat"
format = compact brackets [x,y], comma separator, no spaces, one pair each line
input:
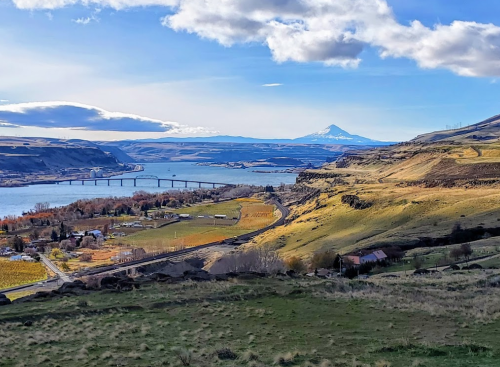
[174,175]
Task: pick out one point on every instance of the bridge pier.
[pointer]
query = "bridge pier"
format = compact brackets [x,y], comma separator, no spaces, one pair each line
[83,182]
[135,182]
[199,185]
[70,182]
[172,183]
[186,184]
[121,182]
[214,186]
[159,182]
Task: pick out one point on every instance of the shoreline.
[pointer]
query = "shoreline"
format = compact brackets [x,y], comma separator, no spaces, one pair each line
[54,179]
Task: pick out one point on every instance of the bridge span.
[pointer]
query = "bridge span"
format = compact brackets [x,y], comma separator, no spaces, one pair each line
[159,181]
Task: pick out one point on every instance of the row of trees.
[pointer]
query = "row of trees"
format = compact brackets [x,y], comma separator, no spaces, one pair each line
[44,216]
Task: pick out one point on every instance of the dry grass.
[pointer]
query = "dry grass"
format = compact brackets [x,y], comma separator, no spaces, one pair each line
[14,273]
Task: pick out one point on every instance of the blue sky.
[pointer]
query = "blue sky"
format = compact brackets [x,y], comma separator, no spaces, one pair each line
[199,73]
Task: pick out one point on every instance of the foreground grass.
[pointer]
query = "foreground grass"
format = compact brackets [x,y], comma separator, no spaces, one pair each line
[417,322]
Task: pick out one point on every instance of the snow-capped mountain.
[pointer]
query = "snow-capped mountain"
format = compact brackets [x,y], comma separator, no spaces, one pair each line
[335,135]
[331,135]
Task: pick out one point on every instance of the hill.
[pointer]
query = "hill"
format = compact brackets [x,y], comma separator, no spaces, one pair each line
[450,321]
[484,131]
[24,160]
[410,195]
[226,152]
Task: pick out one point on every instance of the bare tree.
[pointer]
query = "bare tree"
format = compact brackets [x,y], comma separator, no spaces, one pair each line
[41,207]
[264,259]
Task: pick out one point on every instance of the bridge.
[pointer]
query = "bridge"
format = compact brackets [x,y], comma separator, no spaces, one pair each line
[136,179]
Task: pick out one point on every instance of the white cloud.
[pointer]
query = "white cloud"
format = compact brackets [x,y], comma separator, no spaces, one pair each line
[79,116]
[272,85]
[49,15]
[4,100]
[86,20]
[332,32]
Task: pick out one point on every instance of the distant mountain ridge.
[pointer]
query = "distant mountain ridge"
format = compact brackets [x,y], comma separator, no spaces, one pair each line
[484,131]
[332,135]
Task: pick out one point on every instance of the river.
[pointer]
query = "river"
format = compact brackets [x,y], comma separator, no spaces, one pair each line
[16,200]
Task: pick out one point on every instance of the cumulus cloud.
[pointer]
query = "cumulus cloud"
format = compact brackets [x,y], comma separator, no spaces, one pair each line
[79,116]
[334,32]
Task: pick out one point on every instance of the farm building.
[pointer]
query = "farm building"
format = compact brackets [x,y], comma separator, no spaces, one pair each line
[184,216]
[369,258]
[95,232]
[220,216]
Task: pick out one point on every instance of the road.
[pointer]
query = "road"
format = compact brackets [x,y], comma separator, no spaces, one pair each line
[63,276]
[172,256]
[179,255]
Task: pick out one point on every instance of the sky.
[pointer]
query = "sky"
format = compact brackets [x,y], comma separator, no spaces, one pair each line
[121,69]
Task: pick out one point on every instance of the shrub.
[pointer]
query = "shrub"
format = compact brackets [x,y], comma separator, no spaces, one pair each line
[263,259]
[296,264]
[226,354]
[86,257]
[327,259]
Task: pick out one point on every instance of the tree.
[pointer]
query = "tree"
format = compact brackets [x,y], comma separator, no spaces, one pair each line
[87,241]
[35,235]
[41,207]
[56,253]
[62,232]
[54,236]
[327,259]
[296,264]
[466,252]
[456,253]
[417,262]
[65,267]
[105,229]
[17,242]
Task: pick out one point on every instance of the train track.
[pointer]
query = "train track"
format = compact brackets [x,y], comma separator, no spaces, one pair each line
[181,254]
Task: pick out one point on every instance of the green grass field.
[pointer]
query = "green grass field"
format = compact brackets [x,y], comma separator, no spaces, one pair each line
[198,231]
[270,322]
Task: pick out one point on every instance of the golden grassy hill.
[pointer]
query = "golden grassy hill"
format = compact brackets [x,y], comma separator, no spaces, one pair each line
[415,191]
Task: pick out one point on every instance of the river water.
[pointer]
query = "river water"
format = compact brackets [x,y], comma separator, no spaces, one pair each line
[16,200]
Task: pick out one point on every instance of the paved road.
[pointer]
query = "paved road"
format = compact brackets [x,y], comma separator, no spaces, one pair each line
[173,256]
[180,255]
[63,276]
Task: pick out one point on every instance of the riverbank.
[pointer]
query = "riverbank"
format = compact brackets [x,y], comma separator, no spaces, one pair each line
[20,180]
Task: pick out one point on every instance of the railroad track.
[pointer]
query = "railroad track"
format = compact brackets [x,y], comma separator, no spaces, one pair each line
[182,254]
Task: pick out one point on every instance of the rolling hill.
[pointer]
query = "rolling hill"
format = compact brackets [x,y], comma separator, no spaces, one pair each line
[411,192]
[484,131]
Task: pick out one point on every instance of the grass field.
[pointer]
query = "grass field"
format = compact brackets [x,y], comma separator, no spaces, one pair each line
[252,215]
[262,323]
[15,273]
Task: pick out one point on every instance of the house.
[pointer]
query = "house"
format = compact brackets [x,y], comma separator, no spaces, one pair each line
[220,216]
[380,255]
[355,260]
[369,258]
[95,233]
[16,258]
[184,216]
